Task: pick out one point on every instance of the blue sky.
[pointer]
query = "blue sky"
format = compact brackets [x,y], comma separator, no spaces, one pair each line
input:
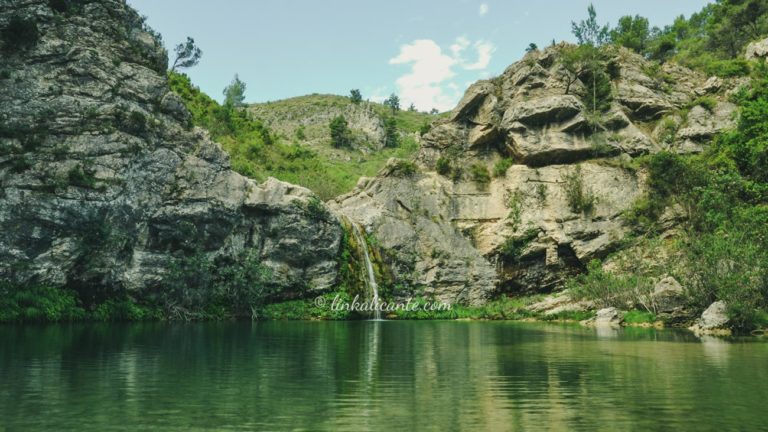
[426,51]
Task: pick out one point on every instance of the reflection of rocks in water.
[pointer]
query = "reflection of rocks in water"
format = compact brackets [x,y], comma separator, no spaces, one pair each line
[716,350]
[607,331]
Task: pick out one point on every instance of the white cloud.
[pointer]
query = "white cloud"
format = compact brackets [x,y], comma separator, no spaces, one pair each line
[484,51]
[483,9]
[429,67]
[460,45]
[428,83]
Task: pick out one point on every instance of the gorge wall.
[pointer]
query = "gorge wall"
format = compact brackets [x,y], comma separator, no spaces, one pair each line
[557,199]
[105,185]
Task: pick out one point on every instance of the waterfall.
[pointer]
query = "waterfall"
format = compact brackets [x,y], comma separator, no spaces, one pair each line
[371,279]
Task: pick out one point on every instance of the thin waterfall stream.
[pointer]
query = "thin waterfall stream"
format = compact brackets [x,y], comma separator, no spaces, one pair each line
[371,279]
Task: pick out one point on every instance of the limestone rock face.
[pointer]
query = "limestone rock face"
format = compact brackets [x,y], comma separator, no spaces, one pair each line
[103,186]
[452,231]
[757,50]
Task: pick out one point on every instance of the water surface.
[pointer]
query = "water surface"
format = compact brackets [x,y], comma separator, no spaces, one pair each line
[357,376]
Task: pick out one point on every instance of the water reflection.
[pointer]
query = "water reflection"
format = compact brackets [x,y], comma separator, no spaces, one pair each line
[438,376]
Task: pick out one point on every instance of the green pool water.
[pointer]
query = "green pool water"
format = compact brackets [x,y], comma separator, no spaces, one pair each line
[358,376]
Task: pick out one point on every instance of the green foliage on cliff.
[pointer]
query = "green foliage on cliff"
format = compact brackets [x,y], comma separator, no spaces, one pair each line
[579,195]
[723,194]
[259,152]
[710,40]
[19,34]
[341,136]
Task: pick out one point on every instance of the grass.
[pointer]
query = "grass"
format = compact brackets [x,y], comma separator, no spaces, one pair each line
[639,317]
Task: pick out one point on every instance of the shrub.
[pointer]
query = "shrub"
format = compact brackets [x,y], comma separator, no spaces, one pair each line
[513,247]
[403,168]
[707,102]
[728,68]
[135,123]
[38,303]
[668,131]
[20,34]
[65,6]
[515,205]
[123,310]
[501,167]
[300,133]
[479,173]
[609,290]
[639,317]
[391,134]
[443,166]
[580,197]
[81,177]
[730,265]
[341,136]
[315,209]
[20,164]
[198,288]
[645,211]
[425,127]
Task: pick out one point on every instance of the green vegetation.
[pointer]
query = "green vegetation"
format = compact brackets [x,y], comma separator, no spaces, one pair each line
[723,195]
[393,102]
[635,317]
[404,168]
[81,177]
[607,289]
[187,55]
[315,209]
[341,136]
[443,166]
[308,309]
[707,102]
[479,173]
[20,34]
[501,167]
[38,303]
[234,93]
[200,288]
[513,247]
[391,133]
[580,197]
[632,32]
[355,96]
[258,152]
[711,40]
[503,308]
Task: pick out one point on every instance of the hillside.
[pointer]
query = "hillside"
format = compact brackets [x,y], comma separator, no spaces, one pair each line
[312,113]
[290,139]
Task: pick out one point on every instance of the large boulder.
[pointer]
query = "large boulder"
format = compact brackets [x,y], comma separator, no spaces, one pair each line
[714,317]
[606,317]
[757,50]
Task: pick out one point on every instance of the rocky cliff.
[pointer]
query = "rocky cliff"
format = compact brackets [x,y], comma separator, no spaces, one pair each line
[104,186]
[563,175]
